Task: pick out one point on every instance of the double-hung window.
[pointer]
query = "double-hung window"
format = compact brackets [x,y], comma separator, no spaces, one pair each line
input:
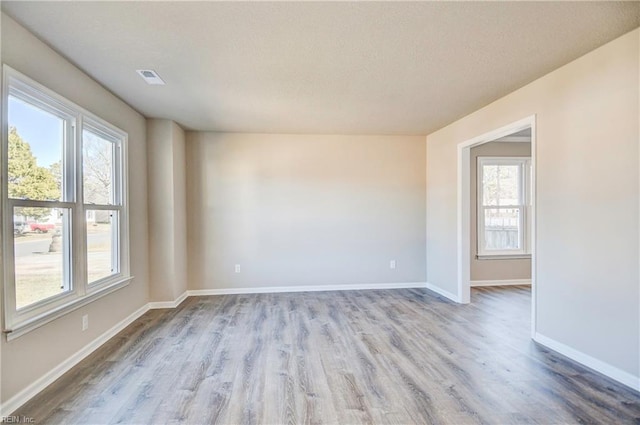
[504,206]
[63,205]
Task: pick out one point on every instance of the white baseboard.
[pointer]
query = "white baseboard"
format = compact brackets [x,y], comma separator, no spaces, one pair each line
[26,394]
[29,392]
[446,294]
[169,304]
[612,372]
[508,282]
[310,288]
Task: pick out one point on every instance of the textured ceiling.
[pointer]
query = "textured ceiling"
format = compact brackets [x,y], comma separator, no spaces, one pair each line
[334,67]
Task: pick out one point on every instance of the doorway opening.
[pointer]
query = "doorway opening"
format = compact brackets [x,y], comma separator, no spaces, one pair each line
[496,210]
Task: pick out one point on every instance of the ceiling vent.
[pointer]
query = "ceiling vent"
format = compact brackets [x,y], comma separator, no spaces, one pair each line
[150,76]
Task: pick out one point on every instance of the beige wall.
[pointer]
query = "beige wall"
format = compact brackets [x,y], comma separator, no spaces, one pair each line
[167,210]
[29,357]
[328,210]
[587,269]
[296,210]
[502,269]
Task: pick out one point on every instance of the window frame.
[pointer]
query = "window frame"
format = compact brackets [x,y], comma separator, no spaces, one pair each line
[524,207]
[17,322]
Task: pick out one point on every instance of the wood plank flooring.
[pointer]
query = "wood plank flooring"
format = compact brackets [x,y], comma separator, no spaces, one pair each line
[392,356]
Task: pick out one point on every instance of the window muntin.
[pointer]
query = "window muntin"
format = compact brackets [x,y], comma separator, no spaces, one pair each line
[55,258]
[503,206]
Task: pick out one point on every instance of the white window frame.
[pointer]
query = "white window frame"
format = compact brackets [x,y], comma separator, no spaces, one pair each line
[524,207]
[20,321]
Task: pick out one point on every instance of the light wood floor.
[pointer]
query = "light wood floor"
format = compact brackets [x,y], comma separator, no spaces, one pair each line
[393,356]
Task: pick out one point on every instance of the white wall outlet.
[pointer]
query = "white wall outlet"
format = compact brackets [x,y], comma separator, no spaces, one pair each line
[237,268]
[85,322]
[392,264]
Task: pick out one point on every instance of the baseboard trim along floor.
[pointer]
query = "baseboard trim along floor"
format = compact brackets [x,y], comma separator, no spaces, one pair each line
[40,384]
[33,389]
[405,355]
[440,291]
[310,288]
[606,369]
[507,282]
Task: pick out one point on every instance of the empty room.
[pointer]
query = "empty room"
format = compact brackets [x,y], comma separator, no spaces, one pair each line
[320,212]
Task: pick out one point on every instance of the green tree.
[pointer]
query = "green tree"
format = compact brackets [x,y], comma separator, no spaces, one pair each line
[27,180]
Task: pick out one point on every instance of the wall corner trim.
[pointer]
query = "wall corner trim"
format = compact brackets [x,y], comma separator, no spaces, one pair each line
[606,369]
[446,294]
[47,379]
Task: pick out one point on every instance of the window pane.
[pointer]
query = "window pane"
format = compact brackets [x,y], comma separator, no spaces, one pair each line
[501,184]
[101,244]
[97,168]
[501,229]
[35,152]
[41,248]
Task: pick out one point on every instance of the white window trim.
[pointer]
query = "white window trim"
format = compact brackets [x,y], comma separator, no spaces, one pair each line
[16,323]
[524,162]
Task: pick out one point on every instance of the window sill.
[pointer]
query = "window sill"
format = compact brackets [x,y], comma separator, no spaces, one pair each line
[504,257]
[36,322]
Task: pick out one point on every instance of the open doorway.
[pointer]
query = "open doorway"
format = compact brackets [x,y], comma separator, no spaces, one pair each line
[496,210]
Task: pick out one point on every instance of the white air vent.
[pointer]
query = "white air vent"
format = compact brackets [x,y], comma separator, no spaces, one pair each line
[150,76]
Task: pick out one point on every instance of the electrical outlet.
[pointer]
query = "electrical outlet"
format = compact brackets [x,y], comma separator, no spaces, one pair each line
[85,322]
[237,268]
[392,264]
